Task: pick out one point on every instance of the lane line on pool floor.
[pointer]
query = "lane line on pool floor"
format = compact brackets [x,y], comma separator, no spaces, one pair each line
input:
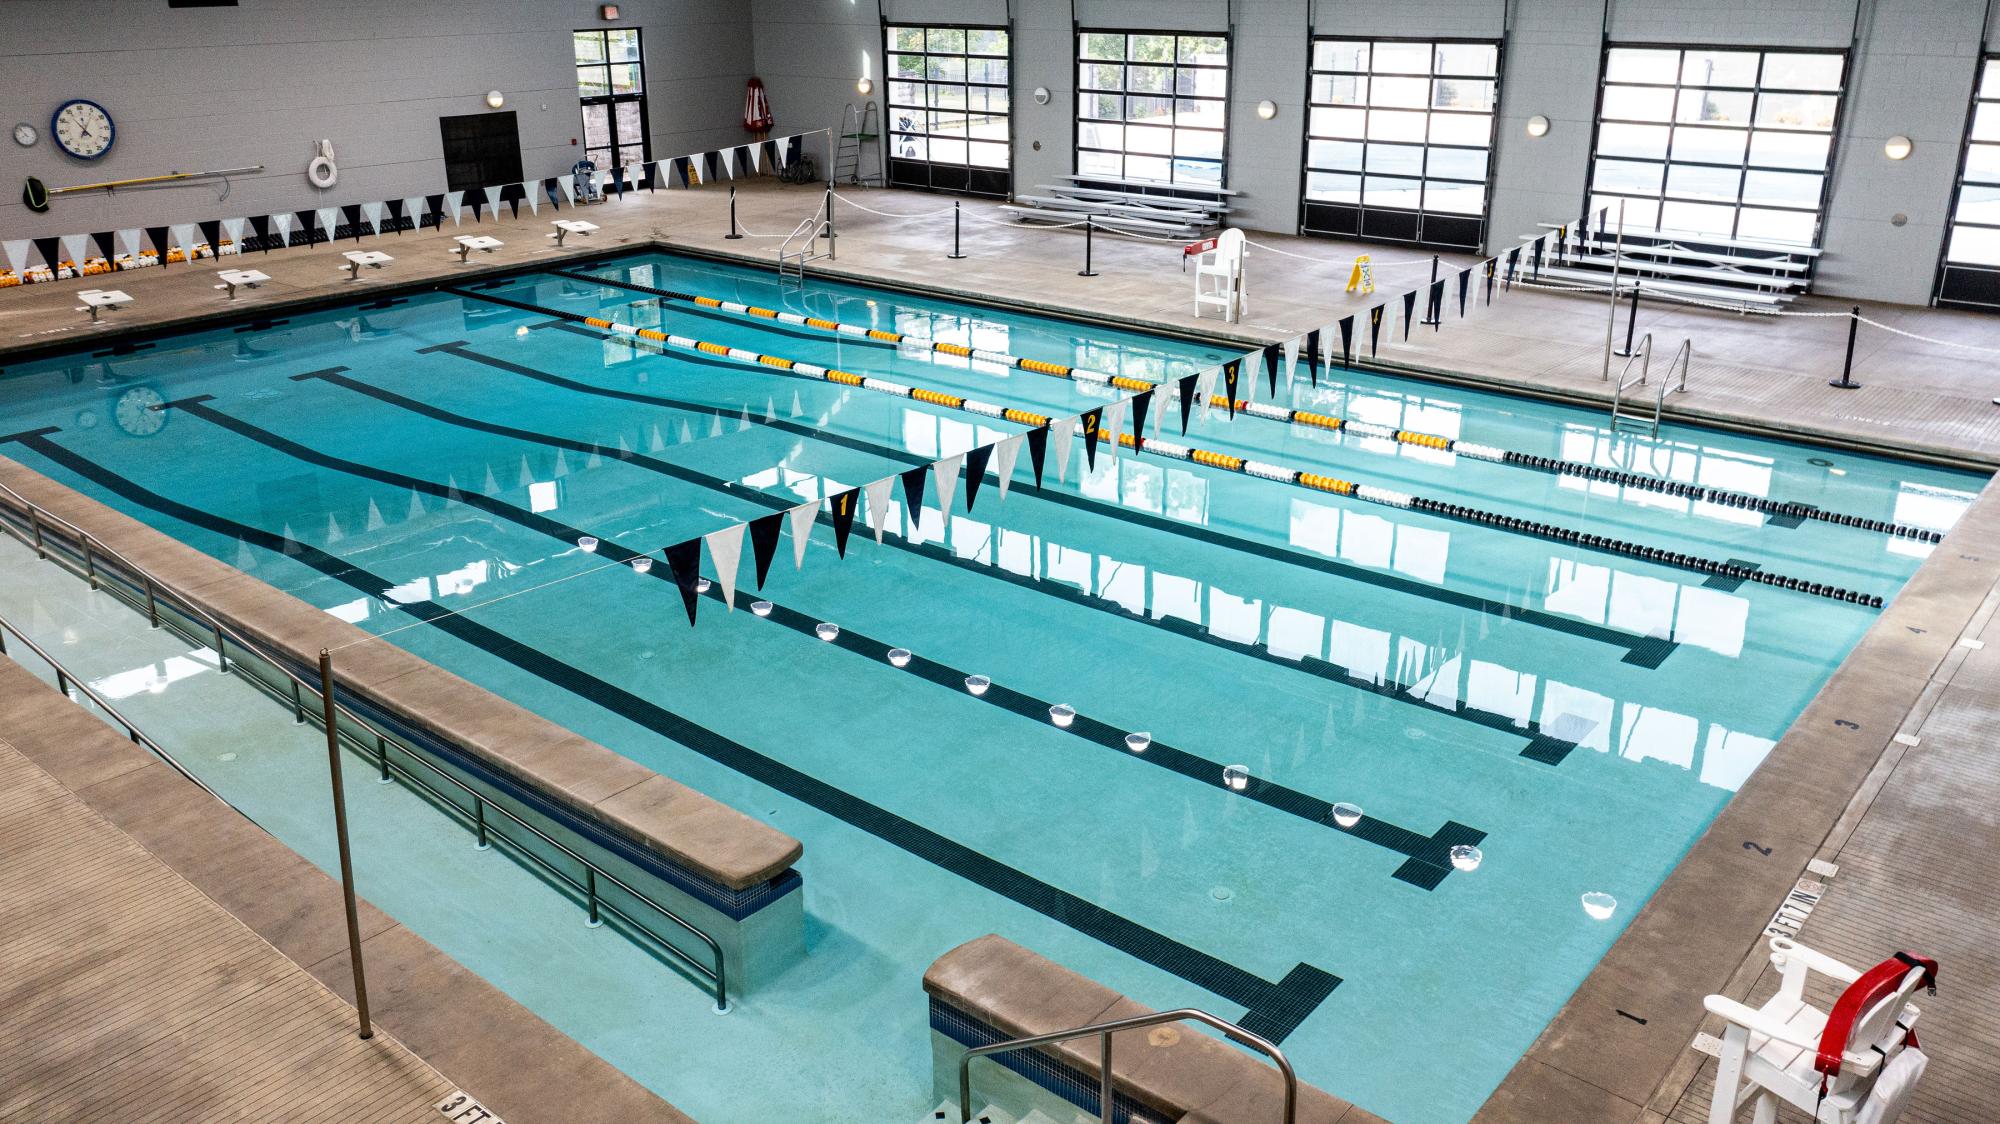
[1428,857]
[1542,746]
[1262,470]
[1781,509]
[1643,651]
[1273,1009]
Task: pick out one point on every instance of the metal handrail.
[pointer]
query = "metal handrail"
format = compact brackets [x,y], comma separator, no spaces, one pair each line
[41,521]
[1683,358]
[65,679]
[1643,356]
[1104,1031]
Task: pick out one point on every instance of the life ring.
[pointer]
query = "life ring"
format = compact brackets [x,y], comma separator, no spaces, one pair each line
[321,172]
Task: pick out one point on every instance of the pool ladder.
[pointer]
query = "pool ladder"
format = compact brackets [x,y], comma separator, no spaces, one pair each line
[1103,1032]
[802,244]
[1622,414]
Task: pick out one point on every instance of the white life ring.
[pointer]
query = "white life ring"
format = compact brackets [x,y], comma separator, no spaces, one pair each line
[321,172]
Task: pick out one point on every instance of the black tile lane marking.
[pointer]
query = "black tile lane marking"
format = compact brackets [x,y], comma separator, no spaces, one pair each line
[1639,650]
[1428,858]
[1543,747]
[1273,1010]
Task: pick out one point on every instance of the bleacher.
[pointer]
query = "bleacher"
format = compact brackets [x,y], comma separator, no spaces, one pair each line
[1736,271]
[1138,206]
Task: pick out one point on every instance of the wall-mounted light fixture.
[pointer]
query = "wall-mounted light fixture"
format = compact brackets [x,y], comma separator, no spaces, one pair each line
[1897,147]
[865,86]
[1538,126]
[495,99]
[1267,109]
[1041,95]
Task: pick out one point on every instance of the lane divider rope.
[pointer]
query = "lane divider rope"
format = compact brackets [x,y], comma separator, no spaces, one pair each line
[1263,470]
[1286,415]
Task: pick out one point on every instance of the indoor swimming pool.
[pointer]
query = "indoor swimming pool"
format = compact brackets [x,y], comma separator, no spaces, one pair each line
[1381,784]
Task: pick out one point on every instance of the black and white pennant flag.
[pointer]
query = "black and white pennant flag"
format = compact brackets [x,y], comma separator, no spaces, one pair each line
[725,550]
[684,563]
[1347,341]
[1038,448]
[877,492]
[1188,390]
[1093,428]
[1375,328]
[843,507]
[1291,351]
[1061,432]
[976,459]
[914,481]
[1464,286]
[764,534]
[947,470]
[1005,454]
[1409,312]
[801,520]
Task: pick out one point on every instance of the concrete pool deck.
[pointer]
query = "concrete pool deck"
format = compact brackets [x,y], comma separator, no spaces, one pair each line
[1838,786]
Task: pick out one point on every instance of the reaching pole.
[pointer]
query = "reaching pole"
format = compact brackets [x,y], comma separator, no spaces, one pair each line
[1611,320]
[340,835]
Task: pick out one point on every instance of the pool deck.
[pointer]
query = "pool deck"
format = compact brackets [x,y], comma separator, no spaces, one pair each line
[160,953]
[1909,825]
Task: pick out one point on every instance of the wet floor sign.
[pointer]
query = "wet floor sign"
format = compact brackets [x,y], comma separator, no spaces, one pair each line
[1362,278]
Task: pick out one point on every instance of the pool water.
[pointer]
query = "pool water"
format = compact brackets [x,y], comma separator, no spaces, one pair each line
[1577,716]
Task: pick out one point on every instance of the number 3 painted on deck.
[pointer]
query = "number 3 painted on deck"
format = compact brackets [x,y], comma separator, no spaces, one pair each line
[1846,725]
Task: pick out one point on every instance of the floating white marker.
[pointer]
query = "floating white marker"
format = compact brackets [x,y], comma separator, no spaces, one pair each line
[1467,857]
[826,630]
[761,608]
[1599,905]
[701,585]
[1139,742]
[642,564]
[1346,815]
[977,684]
[899,657]
[1236,777]
[1062,714]
[587,543]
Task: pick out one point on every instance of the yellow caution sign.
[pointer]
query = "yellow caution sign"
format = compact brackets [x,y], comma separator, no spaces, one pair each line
[1362,279]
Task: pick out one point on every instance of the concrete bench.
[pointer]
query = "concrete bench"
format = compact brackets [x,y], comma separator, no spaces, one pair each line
[994,989]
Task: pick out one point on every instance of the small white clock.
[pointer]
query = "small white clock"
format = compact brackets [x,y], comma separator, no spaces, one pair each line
[82,128]
[25,135]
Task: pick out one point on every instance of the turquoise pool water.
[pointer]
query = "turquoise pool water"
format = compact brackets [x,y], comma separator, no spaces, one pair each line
[1578,716]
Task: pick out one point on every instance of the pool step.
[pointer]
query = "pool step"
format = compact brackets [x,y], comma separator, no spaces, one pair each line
[947,1113]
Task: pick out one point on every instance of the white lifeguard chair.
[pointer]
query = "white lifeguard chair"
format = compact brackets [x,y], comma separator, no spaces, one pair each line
[1855,1064]
[1218,275]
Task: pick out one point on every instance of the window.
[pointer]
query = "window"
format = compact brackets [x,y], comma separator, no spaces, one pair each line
[948,107]
[611,83]
[1971,270]
[1151,106]
[1399,139]
[1729,144]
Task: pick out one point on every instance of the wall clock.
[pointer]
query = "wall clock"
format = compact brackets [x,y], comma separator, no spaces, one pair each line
[82,128]
[25,135]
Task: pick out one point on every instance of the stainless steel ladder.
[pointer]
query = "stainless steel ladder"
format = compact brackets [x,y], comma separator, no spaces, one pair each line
[858,126]
[1104,1031]
[1622,416]
[801,246]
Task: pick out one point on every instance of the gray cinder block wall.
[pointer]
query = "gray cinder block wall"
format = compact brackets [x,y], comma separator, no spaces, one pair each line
[258,83]
[1912,74]
[199,88]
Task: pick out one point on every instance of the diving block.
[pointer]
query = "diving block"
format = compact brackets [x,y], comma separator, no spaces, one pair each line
[470,242]
[373,259]
[566,227]
[233,279]
[97,300]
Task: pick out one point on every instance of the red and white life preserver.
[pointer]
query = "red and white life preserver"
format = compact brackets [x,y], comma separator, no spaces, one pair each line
[757,108]
[1875,985]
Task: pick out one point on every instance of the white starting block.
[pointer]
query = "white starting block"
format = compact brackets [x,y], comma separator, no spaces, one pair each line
[566,227]
[233,279]
[373,259]
[470,242]
[97,300]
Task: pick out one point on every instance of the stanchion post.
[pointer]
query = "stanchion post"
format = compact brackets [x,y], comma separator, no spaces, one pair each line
[340,837]
[1089,227]
[832,248]
[1432,317]
[1846,379]
[1631,322]
[733,233]
[955,254]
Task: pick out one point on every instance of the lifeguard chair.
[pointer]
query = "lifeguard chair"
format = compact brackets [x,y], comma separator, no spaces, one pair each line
[1218,273]
[1855,1064]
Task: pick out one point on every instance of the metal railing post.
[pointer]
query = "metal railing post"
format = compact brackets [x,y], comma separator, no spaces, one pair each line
[89,563]
[1846,379]
[590,896]
[340,836]
[221,653]
[1104,1078]
[832,246]
[152,604]
[955,254]
[479,822]
[1089,228]
[35,525]
[733,233]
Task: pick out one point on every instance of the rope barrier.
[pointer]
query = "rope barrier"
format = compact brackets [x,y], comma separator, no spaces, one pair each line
[890,214]
[1090,426]
[1289,416]
[1335,261]
[1926,339]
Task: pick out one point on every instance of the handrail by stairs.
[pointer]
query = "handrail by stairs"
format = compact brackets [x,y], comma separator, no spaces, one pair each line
[1643,356]
[1104,1031]
[1683,359]
[791,248]
[41,521]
